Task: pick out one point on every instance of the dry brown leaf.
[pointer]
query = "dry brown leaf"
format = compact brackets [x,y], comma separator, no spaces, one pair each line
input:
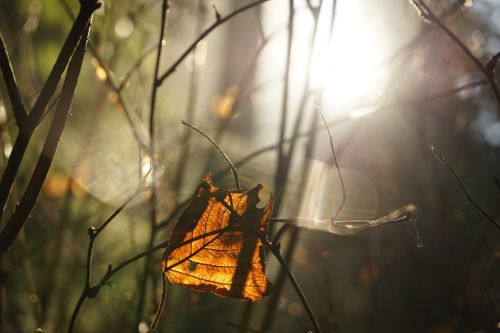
[230,263]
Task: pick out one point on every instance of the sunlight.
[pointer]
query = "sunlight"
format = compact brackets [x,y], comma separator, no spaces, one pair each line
[345,64]
[347,67]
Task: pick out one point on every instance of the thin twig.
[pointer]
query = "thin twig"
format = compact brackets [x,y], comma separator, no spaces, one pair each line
[464,190]
[231,165]
[12,88]
[162,301]
[205,33]
[452,9]
[332,148]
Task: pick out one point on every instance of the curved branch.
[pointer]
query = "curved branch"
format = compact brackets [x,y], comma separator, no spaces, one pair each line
[204,34]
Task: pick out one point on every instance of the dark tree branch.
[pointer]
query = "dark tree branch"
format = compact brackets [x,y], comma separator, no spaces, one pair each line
[10,82]
[204,34]
[28,200]
[87,8]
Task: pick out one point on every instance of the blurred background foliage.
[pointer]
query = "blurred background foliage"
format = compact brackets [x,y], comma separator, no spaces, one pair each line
[382,61]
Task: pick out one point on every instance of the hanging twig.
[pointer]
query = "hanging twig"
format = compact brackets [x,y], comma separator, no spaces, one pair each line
[332,148]
[464,190]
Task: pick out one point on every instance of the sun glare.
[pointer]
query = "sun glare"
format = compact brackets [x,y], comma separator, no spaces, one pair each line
[347,66]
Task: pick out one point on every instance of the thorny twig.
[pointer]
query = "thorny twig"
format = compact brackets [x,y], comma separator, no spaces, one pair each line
[464,190]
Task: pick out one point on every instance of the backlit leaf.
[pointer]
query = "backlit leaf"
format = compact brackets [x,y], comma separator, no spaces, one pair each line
[230,263]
